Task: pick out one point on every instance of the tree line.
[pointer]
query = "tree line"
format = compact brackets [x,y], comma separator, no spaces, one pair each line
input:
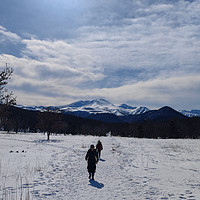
[20,120]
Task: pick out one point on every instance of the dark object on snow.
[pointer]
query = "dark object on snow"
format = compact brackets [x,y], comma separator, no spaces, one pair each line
[96,184]
[92,159]
[99,148]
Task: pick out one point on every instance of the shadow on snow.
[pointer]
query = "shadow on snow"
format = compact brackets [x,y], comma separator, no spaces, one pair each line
[96,184]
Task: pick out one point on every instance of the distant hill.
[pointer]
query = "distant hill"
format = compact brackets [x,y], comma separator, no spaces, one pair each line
[103,110]
[162,114]
[98,109]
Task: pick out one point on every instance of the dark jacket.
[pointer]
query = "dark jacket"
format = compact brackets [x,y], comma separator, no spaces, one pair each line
[91,156]
[99,146]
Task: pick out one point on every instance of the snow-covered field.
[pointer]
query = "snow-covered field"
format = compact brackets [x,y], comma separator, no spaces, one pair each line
[130,168]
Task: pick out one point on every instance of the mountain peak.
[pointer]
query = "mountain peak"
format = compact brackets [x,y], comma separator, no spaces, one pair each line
[101,101]
[82,103]
[167,109]
[168,112]
[125,106]
[101,106]
[78,104]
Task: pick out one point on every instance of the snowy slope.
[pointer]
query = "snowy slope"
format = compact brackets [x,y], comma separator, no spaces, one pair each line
[39,108]
[190,113]
[96,106]
[130,168]
[102,106]
[33,108]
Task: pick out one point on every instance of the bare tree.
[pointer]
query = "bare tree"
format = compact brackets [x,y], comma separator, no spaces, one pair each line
[6,98]
[50,122]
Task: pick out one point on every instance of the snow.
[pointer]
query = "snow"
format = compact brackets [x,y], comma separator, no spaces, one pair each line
[130,168]
[190,113]
[32,108]
[95,106]
[103,106]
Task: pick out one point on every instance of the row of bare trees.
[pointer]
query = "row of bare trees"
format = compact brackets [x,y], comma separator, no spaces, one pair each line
[49,122]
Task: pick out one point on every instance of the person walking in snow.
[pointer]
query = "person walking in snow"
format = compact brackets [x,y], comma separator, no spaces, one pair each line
[99,148]
[92,159]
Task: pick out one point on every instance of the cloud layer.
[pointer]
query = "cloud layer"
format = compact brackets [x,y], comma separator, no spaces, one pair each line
[138,52]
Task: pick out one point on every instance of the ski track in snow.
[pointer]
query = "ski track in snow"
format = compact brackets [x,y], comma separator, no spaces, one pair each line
[130,168]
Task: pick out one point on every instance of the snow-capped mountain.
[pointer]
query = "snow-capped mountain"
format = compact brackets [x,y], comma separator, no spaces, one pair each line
[134,110]
[39,108]
[103,110]
[190,113]
[33,108]
[100,106]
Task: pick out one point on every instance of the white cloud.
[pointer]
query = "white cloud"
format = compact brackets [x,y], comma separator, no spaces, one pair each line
[60,55]
[7,35]
[163,35]
[176,91]
[160,40]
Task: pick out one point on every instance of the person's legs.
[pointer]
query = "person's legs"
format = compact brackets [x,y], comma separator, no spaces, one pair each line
[90,174]
[93,170]
[89,170]
[99,154]
[93,176]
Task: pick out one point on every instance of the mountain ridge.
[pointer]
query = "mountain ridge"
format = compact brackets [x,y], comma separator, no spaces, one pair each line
[103,110]
[101,105]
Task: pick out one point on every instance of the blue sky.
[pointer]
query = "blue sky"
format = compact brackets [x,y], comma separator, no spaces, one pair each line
[139,52]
